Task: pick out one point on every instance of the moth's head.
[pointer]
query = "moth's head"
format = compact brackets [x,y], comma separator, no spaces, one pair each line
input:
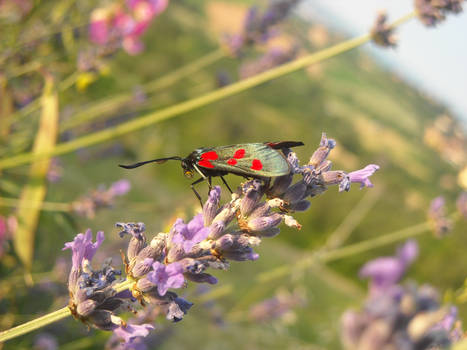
[188,169]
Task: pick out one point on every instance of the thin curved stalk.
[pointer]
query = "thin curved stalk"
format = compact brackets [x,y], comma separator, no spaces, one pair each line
[114,103]
[187,106]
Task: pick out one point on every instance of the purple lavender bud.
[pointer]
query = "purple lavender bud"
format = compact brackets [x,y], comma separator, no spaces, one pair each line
[144,285]
[217,229]
[104,320]
[142,268]
[177,309]
[137,240]
[86,307]
[270,232]
[295,193]
[120,188]
[225,242]
[302,205]
[280,185]
[265,222]
[262,209]
[462,204]
[247,255]
[362,176]
[166,276]
[201,278]
[320,155]
[211,205]
[333,177]
[252,194]
[227,213]
[129,332]
[432,12]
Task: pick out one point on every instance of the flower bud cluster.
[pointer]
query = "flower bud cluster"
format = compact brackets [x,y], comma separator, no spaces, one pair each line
[397,316]
[92,297]
[257,27]
[220,233]
[431,12]
[101,198]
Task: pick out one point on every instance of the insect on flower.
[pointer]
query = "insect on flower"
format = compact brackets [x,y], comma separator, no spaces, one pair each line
[250,160]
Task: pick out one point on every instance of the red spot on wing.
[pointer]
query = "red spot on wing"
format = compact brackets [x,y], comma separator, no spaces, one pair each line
[239,154]
[256,164]
[211,155]
[205,163]
[232,161]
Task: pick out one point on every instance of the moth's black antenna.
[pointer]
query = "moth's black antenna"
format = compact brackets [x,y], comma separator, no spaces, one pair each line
[158,161]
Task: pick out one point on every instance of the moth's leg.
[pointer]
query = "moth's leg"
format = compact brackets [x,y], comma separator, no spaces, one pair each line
[226,184]
[209,184]
[194,190]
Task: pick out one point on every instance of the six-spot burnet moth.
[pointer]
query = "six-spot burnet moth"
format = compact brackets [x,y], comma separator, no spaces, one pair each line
[250,160]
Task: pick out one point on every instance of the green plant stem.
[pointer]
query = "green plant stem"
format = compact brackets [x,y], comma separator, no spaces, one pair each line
[48,319]
[111,104]
[48,206]
[178,109]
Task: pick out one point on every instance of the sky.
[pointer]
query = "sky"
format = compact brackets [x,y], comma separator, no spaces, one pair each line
[433,59]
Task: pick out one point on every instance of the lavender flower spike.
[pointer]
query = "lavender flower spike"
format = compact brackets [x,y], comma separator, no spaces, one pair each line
[362,175]
[166,276]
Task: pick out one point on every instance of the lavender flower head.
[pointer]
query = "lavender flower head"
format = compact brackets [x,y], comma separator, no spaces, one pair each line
[440,224]
[432,12]
[461,204]
[398,316]
[101,198]
[382,33]
[385,272]
[221,233]
[257,28]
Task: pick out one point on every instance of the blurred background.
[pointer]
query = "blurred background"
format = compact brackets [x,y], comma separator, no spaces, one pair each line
[403,108]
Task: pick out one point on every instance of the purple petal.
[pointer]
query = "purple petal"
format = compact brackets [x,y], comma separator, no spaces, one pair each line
[408,252]
[362,176]
[131,331]
[121,187]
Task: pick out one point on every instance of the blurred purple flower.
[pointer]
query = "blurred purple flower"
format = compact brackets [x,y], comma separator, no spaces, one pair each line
[101,198]
[385,272]
[362,176]
[120,188]
[45,341]
[440,224]
[188,235]
[166,276]
[382,33]
[461,204]
[432,12]
[129,332]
